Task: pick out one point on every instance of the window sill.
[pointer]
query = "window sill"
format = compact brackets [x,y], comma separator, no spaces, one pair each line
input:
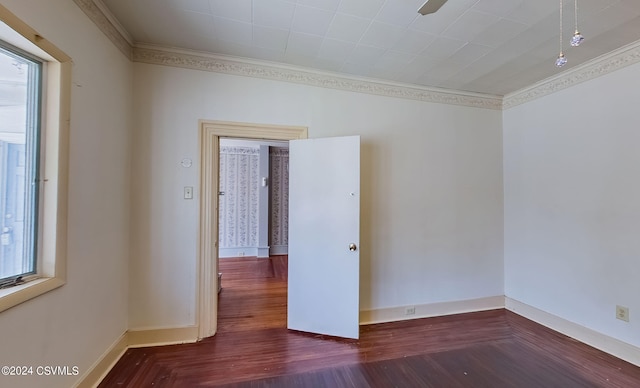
[13,296]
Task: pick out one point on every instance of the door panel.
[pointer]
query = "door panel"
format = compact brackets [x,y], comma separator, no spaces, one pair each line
[324,220]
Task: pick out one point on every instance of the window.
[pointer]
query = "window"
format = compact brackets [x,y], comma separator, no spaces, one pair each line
[20,96]
[35,97]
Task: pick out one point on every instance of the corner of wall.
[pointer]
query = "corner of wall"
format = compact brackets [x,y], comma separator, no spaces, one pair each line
[585,335]
[134,339]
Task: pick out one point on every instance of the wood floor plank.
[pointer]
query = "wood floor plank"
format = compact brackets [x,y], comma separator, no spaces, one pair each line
[253,348]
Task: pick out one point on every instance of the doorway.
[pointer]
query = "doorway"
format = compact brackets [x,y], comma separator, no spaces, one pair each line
[253,233]
[210,134]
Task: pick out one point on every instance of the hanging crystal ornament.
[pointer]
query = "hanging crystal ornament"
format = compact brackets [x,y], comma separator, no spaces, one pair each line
[561,60]
[577,36]
[577,39]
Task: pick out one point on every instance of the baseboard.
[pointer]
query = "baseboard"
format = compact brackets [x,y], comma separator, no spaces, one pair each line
[163,336]
[273,250]
[393,314]
[103,365]
[238,252]
[135,339]
[279,250]
[178,335]
[585,335]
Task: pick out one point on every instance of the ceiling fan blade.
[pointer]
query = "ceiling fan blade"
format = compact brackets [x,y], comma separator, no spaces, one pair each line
[431,6]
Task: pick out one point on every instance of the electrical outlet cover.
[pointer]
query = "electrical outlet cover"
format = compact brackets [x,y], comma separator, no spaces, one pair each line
[622,313]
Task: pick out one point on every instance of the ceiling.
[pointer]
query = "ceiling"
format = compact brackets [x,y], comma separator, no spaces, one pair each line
[483,46]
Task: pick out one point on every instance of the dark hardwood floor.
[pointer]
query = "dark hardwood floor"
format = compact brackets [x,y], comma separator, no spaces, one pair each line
[254,349]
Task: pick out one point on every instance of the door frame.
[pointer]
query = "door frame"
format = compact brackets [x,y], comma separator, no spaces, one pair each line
[207,266]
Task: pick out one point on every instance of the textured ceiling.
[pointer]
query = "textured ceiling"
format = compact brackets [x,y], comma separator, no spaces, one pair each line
[484,46]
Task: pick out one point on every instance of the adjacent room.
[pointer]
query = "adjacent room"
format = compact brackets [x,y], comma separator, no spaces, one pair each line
[436,193]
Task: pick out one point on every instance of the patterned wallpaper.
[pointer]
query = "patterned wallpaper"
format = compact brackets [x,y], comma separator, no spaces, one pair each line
[279,170]
[238,210]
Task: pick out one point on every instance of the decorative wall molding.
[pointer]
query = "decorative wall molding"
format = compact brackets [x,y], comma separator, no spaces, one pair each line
[108,24]
[605,64]
[220,64]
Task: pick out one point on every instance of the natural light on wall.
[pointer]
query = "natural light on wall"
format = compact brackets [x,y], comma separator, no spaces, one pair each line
[35,79]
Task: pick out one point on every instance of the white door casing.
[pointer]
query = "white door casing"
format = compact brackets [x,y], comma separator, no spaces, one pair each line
[210,134]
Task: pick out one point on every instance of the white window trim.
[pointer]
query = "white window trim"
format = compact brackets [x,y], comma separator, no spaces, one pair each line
[52,245]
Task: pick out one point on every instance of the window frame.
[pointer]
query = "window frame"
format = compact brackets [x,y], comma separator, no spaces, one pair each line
[33,144]
[55,121]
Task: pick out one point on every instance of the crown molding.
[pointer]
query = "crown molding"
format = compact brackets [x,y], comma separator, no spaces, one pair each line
[277,72]
[108,24]
[604,64]
[115,22]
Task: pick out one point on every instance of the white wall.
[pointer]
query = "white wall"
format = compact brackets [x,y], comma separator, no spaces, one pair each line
[431,187]
[73,325]
[432,203]
[572,203]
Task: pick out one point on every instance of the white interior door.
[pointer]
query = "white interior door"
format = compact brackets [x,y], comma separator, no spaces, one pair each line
[324,222]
